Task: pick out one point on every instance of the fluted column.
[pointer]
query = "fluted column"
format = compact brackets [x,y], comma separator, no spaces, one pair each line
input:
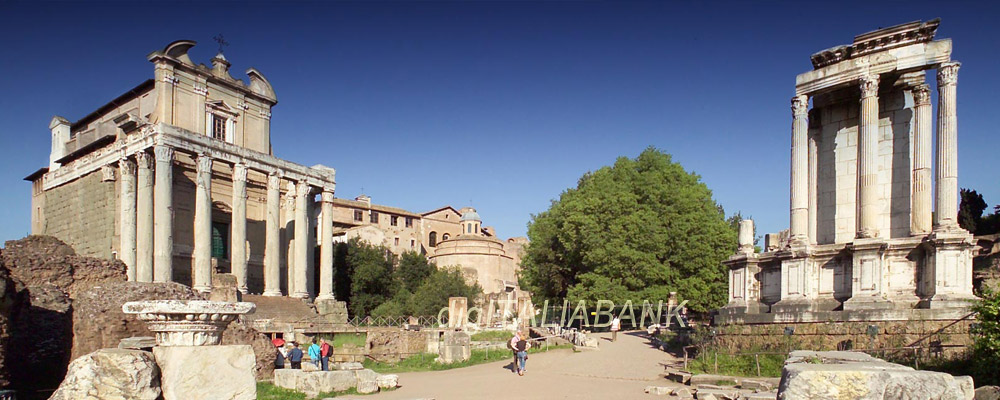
[921,203]
[203,225]
[946,170]
[868,197]
[144,218]
[799,219]
[288,221]
[326,247]
[813,188]
[272,239]
[301,238]
[163,215]
[238,254]
[126,251]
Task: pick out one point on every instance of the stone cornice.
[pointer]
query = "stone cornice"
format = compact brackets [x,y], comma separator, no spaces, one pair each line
[918,56]
[189,142]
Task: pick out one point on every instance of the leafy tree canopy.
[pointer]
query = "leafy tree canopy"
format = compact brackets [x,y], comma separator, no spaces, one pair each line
[636,230]
[970,214]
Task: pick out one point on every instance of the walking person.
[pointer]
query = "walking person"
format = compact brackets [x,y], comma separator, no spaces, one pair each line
[522,354]
[324,354]
[314,353]
[295,356]
[512,345]
[616,325]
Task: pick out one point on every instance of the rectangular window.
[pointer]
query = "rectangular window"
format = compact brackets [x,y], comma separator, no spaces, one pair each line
[359,215]
[413,243]
[374,218]
[220,240]
[396,242]
[218,128]
[409,222]
[394,220]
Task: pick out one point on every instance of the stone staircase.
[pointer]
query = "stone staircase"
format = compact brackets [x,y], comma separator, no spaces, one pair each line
[279,313]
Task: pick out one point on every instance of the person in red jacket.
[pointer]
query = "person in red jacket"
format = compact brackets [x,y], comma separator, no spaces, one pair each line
[324,354]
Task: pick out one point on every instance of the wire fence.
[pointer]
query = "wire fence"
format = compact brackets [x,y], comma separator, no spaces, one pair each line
[370,321]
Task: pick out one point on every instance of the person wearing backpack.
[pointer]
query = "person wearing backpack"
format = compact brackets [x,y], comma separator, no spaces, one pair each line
[324,354]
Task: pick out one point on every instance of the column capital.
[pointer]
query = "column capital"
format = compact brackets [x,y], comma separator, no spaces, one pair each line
[204,162]
[144,160]
[163,153]
[868,85]
[921,95]
[947,73]
[240,171]
[303,188]
[126,166]
[800,105]
[327,196]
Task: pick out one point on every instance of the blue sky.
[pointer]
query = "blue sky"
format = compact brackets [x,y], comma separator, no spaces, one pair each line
[498,105]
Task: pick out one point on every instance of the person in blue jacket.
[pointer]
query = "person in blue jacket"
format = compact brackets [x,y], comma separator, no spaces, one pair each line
[314,353]
[295,356]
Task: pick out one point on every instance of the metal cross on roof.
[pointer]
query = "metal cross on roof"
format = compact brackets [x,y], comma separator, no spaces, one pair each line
[221,40]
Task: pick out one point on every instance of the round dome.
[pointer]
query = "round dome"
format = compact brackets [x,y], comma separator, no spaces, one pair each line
[471,215]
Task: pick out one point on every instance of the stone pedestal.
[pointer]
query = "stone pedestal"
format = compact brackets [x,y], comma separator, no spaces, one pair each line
[744,286]
[332,310]
[457,347]
[869,278]
[949,270]
[458,312]
[187,322]
[207,372]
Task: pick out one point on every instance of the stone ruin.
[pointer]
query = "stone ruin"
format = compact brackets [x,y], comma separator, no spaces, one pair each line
[867,239]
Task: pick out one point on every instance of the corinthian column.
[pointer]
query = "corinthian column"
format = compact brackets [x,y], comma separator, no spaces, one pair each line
[126,169]
[946,217]
[301,238]
[163,215]
[144,219]
[238,254]
[921,203]
[203,225]
[868,198]
[813,188]
[272,239]
[799,219]
[326,247]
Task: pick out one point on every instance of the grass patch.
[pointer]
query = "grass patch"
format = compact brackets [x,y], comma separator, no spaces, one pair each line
[268,391]
[341,340]
[426,362]
[738,365]
[492,336]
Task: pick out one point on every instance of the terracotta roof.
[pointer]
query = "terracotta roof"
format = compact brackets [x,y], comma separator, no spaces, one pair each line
[376,207]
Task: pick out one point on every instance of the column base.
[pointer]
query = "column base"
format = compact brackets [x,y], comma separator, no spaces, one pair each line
[202,289]
[272,293]
[742,307]
[945,301]
[805,305]
[243,290]
[859,303]
[300,295]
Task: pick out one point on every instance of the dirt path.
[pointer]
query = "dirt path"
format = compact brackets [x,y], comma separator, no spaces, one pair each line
[619,370]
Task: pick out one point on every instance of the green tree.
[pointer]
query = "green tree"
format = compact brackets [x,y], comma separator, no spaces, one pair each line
[433,293]
[986,348]
[370,268]
[638,229]
[413,269]
[970,210]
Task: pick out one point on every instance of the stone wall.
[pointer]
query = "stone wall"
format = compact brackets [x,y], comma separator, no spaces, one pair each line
[82,214]
[833,335]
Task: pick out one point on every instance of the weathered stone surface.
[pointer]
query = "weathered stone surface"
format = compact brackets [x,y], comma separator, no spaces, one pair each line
[308,366]
[137,343]
[366,387]
[679,376]
[225,288]
[658,390]
[721,394]
[348,366]
[457,347]
[312,383]
[111,374]
[838,375]
[756,385]
[332,310]
[185,372]
[44,260]
[988,393]
[387,381]
[682,393]
[9,302]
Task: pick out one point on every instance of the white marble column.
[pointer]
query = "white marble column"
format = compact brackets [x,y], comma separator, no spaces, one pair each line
[922,202]
[203,225]
[288,222]
[144,218]
[868,196]
[799,219]
[302,251]
[238,226]
[127,218]
[163,215]
[813,187]
[272,239]
[946,170]
[326,247]
[745,237]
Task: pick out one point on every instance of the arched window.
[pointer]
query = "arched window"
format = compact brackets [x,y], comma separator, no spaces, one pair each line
[477,228]
[433,239]
[468,228]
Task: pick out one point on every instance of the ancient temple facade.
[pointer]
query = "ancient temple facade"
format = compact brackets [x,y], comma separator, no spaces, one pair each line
[874,232]
[177,178]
